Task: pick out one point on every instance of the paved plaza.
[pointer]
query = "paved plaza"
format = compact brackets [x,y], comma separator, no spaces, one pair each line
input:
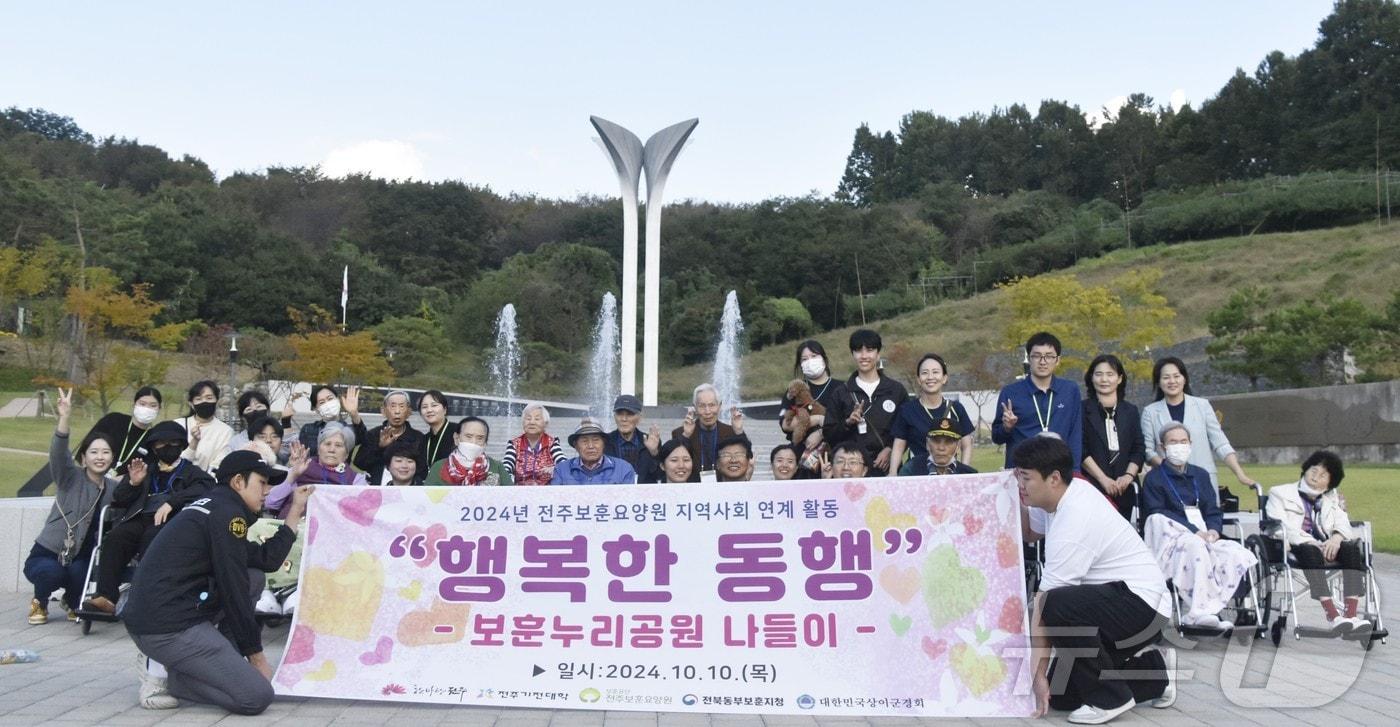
[88,680]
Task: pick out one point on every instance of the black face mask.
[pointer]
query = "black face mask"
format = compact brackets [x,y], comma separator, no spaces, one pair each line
[251,416]
[205,410]
[168,454]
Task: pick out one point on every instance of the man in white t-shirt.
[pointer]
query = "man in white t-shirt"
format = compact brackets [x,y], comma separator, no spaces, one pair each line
[1102,596]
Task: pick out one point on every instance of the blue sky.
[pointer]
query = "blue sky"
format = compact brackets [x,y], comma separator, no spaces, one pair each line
[499,94]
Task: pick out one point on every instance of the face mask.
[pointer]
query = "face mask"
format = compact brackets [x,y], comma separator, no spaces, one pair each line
[329,410]
[205,410]
[144,415]
[1177,454]
[813,367]
[1307,489]
[168,455]
[251,416]
[470,450]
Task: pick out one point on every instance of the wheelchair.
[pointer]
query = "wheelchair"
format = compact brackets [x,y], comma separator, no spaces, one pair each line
[1246,612]
[106,519]
[1279,569]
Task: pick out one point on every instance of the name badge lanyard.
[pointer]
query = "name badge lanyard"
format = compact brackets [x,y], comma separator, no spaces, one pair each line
[1111,429]
[1196,489]
[1044,419]
[129,448]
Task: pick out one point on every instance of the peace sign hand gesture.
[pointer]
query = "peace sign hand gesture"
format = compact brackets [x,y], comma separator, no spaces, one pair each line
[63,406]
[1008,415]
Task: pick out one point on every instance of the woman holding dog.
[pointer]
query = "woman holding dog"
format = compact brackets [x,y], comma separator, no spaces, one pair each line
[918,415]
[827,403]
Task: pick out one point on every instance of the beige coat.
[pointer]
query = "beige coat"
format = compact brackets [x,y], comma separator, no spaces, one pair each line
[1286,506]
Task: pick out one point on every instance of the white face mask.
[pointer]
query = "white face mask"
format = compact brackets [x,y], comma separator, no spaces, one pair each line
[144,415]
[1177,454]
[813,367]
[329,410]
[1307,489]
[470,450]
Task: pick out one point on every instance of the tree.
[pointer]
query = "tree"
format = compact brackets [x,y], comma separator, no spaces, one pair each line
[416,342]
[1308,343]
[336,357]
[1128,316]
[869,169]
[1240,344]
[109,314]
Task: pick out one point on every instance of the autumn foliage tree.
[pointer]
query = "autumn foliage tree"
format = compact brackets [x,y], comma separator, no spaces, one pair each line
[322,352]
[1128,317]
[110,315]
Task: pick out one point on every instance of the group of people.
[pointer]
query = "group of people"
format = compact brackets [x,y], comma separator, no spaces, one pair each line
[198,502]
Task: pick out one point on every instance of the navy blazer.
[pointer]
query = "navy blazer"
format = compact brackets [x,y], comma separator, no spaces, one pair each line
[1168,492]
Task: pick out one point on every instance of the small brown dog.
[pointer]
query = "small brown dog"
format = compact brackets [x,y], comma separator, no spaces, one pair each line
[798,417]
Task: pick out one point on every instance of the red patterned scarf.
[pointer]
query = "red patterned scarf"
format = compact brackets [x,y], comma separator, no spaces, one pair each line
[456,472]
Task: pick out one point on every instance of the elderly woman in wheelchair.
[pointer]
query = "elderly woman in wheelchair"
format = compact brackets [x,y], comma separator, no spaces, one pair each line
[1182,523]
[1312,520]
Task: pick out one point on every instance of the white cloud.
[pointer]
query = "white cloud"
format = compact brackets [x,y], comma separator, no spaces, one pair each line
[1178,99]
[1100,116]
[388,159]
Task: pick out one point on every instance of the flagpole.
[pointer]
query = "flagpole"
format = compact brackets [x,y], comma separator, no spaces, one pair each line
[344,296]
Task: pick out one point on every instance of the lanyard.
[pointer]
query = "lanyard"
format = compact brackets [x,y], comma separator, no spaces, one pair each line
[1049,409]
[128,452]
[434,445]
[1194,488]
[947,408]
[818,396]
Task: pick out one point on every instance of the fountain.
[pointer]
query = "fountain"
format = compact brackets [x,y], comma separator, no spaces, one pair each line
[726,373]
[602,365]
[505,363]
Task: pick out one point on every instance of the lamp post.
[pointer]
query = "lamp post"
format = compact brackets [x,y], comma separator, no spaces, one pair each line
[233,374]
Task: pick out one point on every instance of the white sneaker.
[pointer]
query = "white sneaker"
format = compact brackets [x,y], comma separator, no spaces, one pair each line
[1205,621]
[1359,625]
[153,694]
[1089,714]
[1341,625]
[289,606]
[1168,697]
[267,604]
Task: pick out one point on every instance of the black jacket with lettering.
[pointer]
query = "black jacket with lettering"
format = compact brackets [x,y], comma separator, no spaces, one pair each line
[196,570]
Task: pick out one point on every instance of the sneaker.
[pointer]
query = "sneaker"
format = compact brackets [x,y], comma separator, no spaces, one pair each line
[289,606]
[1206,621]
[38,612]
[1360,627]
[267,604]
[1089,714]
[72,615]
[1168,697]
[153,694]
[1341,625]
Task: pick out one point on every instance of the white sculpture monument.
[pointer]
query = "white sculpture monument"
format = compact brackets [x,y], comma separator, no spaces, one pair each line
[630,158]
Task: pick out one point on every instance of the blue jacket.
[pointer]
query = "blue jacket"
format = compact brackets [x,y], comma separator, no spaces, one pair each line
[1060,408]
[610,471]
[1168,492]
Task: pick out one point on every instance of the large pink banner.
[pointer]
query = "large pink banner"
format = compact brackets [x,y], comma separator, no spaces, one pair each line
[863,597]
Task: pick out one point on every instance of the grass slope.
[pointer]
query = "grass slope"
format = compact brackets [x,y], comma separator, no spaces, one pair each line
[1362,261]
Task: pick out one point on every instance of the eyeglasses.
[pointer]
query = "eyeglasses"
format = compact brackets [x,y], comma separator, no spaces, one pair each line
[1044,357]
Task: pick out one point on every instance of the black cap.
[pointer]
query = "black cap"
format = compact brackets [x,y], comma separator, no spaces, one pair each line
[944,428]
[628,402]
[167,431]
[244,461]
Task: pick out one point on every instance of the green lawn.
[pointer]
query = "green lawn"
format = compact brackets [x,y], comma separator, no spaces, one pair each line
[30,434]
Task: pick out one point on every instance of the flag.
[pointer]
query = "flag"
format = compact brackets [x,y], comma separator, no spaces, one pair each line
[344,294]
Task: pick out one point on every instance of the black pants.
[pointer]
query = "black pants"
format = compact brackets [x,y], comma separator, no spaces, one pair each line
[1348,557]
[1096,630]
[125,541]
